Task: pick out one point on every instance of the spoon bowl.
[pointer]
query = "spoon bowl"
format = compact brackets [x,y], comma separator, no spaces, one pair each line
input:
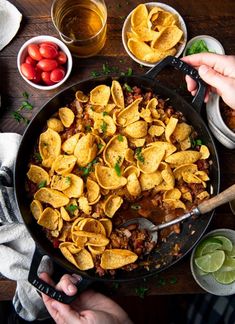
[205,207]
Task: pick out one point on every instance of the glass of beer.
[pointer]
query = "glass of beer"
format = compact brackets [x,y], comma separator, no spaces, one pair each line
[82,25]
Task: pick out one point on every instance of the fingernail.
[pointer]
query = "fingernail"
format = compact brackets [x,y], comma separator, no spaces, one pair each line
[71,288]
[203,69]
[76,278]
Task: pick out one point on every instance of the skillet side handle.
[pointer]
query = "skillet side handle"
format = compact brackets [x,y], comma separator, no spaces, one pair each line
[48,289]
[187,70]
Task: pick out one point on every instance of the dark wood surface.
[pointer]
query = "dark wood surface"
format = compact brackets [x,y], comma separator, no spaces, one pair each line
[215,18]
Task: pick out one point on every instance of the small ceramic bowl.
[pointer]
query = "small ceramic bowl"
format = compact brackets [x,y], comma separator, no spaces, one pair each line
[37,40]
[207,282]
[220,136]
[214,115]
[127,28]
[212,43]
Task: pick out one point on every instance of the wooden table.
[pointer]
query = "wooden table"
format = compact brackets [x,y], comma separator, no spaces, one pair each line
[215,18]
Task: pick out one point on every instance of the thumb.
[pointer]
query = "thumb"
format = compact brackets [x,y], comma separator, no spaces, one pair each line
[213,78]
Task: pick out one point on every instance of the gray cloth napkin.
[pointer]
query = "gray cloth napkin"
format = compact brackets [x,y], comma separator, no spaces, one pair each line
[16,245]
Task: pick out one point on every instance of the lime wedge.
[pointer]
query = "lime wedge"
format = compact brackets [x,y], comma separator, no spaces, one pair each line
[210,262]
[227,245]
[208,246]
[231,253]
[226,274]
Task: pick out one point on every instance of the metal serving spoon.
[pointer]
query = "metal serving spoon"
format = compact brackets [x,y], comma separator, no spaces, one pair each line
[205,207]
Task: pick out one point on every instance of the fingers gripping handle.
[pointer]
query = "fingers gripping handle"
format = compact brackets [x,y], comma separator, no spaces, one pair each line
[48,289]
[187,70]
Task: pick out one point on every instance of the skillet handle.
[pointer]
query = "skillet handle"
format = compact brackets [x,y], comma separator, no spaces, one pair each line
[48,289]
[186,69]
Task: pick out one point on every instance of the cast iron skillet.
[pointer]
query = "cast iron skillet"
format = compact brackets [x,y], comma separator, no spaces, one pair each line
[160,259]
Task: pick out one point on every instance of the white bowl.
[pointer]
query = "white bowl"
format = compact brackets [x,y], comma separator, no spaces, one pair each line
[127,27]
[214,115]
[207,282]
[212,43]
[220,136]
[39,39]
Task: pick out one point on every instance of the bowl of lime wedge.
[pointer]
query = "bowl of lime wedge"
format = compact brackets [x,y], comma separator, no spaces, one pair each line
[213,262]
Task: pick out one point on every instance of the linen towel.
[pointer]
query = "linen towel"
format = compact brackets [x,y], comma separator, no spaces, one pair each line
[16,245]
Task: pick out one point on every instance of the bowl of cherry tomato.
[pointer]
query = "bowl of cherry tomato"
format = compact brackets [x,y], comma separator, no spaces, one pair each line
[44,62]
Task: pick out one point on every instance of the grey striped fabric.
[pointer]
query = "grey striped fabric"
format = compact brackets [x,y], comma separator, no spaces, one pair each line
[16,245]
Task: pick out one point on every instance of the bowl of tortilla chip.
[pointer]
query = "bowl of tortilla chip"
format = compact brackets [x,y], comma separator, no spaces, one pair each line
[153,31]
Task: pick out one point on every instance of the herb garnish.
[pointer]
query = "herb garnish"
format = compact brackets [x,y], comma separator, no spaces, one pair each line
[139,155]
[128,73]
[42,184]
[71,208]
[68,180]
[104,126]
[89,168]
[100,145]
[88,128]
[95,73]
[127,87]
[196,142]
[117,167]
[105,113]
[120,138]
[198,46]
[141,291]
[173,280]
[37,157]
[25,105]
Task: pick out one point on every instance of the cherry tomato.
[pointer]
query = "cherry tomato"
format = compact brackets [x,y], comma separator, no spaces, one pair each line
[33,50]
[47,65]
[49,44]
[62,58]
[48,51]
[31,61]
[28,71]
[57,74]
[46,78]
[38,77]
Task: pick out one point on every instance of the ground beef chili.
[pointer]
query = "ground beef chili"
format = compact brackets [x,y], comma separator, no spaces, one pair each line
[149,204]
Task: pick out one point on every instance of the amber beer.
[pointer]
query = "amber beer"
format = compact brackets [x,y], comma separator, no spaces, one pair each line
[81,24]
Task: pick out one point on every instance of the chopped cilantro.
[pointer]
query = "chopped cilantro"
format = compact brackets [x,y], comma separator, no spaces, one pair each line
[68,180]
[106,69]
[42,184]
[173,280]
[198,46]
[88,128]
[129,72]
[19,117]
[120,138]
[196,142]
[117,167]
[104,126]
[95,73]
[141,291]
[105,113]
[26,105]
[92,108]
[100,145]
[25,95]
[139,155]
[89,168]
[71,208]
[127,87]
[37,157]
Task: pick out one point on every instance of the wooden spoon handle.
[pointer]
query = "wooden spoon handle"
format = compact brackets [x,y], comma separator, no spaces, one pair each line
[222,198]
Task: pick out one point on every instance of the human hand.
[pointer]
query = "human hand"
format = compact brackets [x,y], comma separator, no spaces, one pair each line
[216,70]
[90,307]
